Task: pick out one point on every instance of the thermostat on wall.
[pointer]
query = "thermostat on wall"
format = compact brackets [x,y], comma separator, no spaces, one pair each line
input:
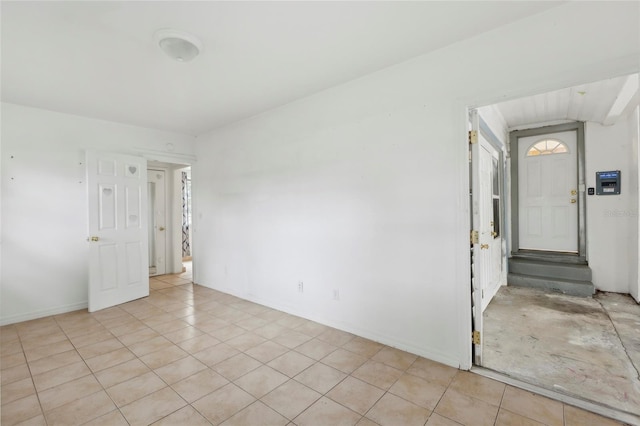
[608,183]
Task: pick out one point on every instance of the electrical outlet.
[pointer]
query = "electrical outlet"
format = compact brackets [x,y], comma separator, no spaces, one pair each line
[300,286]
[336,294]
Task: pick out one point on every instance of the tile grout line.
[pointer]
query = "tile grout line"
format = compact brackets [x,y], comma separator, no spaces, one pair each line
[316,362]
[500,406]
[167,385]
[32,381]
[92,374]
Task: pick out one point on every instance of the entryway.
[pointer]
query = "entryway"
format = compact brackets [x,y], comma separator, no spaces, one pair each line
[169,218]
[546,326]
[548,207]
[136,227]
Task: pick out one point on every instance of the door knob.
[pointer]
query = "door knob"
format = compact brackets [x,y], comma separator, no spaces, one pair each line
[494,234]
[573,201]
[161,228]
[93,239]
[484,246]
[574,192]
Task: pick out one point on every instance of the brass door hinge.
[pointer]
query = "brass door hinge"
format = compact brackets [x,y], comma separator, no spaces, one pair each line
[475,237]
[475,337]
[473,136]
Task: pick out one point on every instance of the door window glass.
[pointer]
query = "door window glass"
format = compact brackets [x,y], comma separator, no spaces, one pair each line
[546,147]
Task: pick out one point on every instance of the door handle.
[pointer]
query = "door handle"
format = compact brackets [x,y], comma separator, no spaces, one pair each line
[484,246]
[161,228]
[93,239]
[573,201]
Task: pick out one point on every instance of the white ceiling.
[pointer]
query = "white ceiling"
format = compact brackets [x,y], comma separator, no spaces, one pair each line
[98,59]
[586,102]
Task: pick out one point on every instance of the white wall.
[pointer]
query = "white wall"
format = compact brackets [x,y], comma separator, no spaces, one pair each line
[363,188]
[44,206]
[612,220]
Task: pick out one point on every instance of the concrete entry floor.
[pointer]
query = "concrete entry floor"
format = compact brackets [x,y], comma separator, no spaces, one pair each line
[583,347]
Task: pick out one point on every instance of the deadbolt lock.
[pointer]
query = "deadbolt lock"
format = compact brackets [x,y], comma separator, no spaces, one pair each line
[484,246]
[574,192]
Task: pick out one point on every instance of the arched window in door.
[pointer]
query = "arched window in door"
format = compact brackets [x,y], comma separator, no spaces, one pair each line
[546,147]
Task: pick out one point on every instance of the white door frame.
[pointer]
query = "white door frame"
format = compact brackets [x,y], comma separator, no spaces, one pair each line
[183,160]
[514,136]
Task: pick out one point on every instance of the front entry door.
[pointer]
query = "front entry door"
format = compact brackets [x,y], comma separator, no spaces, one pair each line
[118,260]
[548,192]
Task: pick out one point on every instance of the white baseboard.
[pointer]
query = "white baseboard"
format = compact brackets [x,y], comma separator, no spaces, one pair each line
[43,313]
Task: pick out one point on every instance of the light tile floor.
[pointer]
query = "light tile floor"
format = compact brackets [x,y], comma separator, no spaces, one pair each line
[189,355]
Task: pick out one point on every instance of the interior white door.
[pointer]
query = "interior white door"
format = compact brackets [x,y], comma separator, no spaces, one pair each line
[479,253]
[487,242]
[487,258]
[156,185]
[547,192]
[118,262]
[489,220]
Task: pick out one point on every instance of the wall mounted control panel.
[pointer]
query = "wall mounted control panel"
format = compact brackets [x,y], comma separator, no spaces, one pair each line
[608,183]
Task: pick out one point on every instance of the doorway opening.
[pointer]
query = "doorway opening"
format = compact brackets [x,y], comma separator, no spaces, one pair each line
[170,230]
[545,326]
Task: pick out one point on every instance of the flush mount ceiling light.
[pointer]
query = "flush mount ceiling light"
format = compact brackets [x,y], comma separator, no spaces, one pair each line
[179,45]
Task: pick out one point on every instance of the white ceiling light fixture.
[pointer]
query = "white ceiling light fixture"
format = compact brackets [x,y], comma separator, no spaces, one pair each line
[179,45]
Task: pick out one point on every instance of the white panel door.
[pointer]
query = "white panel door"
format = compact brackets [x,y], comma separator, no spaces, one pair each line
[118,259]
[487,251]
[547,192]
[490,183]
[157,222]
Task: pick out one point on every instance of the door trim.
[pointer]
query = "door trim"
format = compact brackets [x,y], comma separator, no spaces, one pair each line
[514,136]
